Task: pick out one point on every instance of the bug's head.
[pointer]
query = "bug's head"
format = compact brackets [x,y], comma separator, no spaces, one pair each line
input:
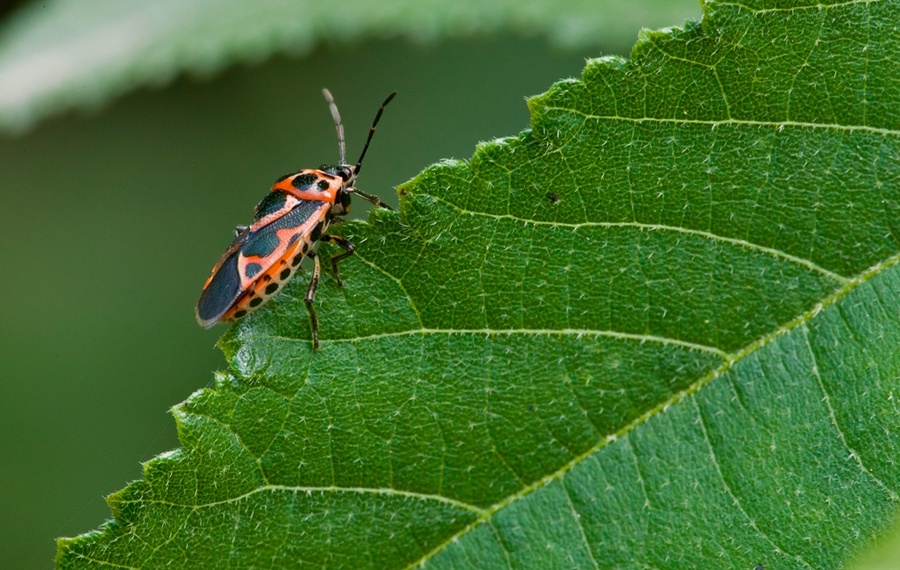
[347,172]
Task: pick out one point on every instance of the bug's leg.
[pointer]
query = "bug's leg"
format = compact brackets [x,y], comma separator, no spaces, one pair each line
[310,295]
[373,199]
[238,230]
[348,251]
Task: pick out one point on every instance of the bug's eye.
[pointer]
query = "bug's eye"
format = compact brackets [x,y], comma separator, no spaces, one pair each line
[346,173]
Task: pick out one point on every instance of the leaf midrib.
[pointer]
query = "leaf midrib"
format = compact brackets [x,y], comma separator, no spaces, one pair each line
[730,361]
[844,286]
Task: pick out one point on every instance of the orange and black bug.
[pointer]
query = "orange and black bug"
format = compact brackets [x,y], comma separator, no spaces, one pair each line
[287,223]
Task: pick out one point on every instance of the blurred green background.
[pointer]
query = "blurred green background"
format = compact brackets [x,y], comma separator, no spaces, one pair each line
[112,220]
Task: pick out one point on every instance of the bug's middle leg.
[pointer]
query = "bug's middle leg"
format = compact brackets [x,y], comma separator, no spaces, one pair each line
[310,295]
[349,248]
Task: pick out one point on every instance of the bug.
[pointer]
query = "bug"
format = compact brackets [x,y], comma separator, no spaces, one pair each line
[287,224]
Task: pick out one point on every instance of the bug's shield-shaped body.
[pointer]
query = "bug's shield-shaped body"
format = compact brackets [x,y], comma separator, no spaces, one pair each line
[286,226]
[264,256]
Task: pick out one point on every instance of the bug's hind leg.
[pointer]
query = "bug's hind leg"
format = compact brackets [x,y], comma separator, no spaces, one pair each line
[310,295]
[349,248]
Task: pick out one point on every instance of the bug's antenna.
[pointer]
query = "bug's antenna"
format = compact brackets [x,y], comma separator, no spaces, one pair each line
[371,131]
[332,106]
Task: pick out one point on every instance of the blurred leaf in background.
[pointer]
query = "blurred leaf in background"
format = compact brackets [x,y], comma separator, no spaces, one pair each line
[119,45]
[115,215]
[658,329]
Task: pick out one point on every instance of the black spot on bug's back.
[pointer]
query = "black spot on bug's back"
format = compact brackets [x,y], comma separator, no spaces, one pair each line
[297,259]
[256,301]
[271,288]
[253,269]
[273,202]
[285,273]
[324,185]
[240,314]
[303,181]
[261,244]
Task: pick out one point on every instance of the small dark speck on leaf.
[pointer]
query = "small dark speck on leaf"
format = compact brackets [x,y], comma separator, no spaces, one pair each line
[552,197]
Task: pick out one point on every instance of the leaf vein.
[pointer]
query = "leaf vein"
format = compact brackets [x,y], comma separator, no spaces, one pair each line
[734,499]
[328,489]
[817,6]
[826,399]
[663,228]
[675,399]
[409,298]
[715,123]
[237,438]
[577,516]
[487,419]
[102,562]
[509,332]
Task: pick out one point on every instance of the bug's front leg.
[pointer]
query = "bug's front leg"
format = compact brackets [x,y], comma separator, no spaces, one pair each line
[310,295]
[373,199]
[349,248]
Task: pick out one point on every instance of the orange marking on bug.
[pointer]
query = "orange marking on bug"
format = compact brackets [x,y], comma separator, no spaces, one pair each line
[257,288]
[284,249]
[243,279]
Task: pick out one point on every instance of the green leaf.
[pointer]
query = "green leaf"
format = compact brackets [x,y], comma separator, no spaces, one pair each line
[76,53]
[658,330]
